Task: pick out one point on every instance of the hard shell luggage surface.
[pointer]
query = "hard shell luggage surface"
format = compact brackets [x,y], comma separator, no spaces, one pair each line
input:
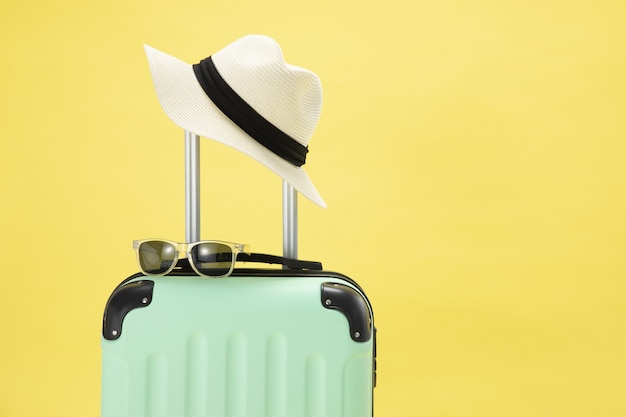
[262,343]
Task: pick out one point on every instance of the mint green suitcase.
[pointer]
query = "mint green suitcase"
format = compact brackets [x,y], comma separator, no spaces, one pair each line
[291,342]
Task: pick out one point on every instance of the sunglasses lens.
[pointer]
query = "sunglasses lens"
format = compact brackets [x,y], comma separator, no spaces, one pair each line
[212,259]
[156,257]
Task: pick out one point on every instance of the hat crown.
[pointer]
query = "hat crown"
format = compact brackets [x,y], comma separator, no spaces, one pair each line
[287,96]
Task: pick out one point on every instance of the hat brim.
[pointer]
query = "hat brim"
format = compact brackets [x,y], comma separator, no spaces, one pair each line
[187,105]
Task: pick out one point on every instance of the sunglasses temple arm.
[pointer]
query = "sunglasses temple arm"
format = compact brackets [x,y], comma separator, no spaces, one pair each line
[192,187]
[290,221]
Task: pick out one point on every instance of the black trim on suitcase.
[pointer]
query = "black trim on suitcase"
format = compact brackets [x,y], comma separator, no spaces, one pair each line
[124,299]
[185,270]
[353,305]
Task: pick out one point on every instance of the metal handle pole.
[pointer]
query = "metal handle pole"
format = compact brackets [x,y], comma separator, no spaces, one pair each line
[192,187]
[290,221]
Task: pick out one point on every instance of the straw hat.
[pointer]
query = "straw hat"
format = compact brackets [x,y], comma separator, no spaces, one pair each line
[246,96]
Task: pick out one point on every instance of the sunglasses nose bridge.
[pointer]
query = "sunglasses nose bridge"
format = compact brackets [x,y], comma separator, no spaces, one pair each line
[184,250]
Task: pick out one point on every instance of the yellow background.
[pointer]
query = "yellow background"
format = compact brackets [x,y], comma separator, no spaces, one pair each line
[471,154]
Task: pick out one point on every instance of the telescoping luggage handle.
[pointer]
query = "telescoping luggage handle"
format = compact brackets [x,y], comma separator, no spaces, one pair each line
[192,200]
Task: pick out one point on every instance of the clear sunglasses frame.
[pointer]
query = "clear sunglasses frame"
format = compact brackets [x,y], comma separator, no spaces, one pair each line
[184,250]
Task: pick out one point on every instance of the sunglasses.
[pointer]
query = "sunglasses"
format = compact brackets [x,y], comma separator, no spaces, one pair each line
[209,258]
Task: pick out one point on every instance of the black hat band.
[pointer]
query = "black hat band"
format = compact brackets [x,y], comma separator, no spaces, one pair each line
[244,116]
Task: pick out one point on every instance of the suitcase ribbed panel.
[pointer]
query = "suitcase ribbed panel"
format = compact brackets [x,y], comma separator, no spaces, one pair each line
[315,376]
[197,383]
[236,375]
[276,352]
[276,376]
[156,386]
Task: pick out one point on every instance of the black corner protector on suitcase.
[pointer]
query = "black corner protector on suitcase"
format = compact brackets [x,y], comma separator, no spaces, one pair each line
[124,299]
[353,305]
